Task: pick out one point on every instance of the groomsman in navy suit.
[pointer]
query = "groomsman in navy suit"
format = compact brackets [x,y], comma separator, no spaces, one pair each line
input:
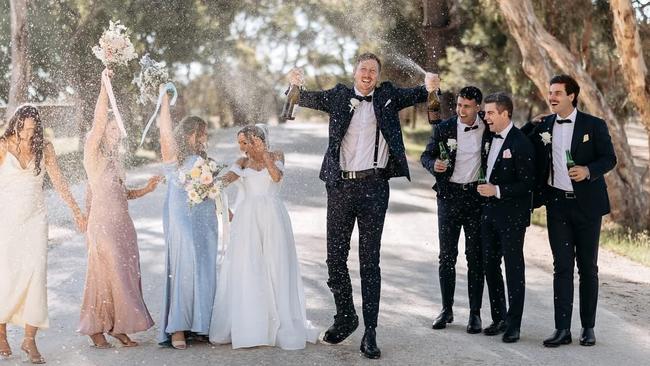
[506,215]
[464,138]
[573,152]
[364,151]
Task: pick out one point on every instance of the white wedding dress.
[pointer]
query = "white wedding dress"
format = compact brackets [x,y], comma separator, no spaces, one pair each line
[260,299]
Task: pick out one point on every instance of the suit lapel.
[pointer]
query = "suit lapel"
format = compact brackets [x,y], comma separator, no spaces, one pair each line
[347,117]
[505,146]
[578,132]
[453,134]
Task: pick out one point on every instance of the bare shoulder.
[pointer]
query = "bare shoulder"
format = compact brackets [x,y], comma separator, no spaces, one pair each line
[278,155]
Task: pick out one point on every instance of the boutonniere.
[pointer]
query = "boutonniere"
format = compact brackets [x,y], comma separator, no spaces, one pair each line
[487,147]
[452,144]
[507,154]
[546,137]
[354,102]
[585,138]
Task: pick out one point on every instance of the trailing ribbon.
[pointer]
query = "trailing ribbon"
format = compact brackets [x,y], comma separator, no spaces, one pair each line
[111,97]
[223,210]
[169,87]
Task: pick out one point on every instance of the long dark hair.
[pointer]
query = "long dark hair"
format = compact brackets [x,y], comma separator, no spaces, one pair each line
[187,127]
[16,125]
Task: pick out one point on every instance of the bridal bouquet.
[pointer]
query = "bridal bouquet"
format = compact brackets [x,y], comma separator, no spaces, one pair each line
[200,183]
[151,76]
[115,47]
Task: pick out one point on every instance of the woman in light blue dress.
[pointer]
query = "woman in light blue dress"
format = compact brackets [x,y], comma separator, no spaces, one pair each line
[190,236]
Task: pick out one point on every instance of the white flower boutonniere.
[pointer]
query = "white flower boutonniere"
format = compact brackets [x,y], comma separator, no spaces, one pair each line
[546,137]
[487,147]
[452,144]
[354,102]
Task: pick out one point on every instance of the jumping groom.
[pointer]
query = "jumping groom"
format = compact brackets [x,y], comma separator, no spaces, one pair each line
[365,149]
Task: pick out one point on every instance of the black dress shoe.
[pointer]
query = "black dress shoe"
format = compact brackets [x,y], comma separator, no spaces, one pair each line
[495,328]
[559,337]
[474,324]
[446,316]
[343,326]
[369,344]
[587,337]
[511,335]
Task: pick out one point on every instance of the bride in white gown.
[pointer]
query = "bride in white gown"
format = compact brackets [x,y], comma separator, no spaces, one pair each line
[260,299]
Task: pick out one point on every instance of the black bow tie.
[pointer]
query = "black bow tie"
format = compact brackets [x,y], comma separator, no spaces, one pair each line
[367,98]
[498,137]
[471,128]
[561,121]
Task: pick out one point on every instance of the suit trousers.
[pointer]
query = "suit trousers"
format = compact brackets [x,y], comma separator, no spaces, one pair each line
[574,238]
[460,208]
[365,202]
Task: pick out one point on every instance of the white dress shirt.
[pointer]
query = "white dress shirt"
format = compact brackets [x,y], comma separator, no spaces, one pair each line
[495,150]
[468,153]
[561,142]
[358,145]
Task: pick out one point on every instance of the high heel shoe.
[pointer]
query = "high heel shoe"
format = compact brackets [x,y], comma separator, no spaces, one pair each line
[100,343]
[124,339]
[31,353]
[5,349]
[179,344]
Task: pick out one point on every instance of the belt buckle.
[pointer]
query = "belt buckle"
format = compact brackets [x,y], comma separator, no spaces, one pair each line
[569,195]
[465,186]
[348,175]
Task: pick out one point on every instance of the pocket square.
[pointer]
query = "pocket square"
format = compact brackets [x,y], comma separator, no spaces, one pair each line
[585,138]
[507,154]
[387,103]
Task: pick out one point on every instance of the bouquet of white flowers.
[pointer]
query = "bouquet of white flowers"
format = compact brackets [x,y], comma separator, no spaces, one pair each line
[151,76]
[115,47]
[200,183]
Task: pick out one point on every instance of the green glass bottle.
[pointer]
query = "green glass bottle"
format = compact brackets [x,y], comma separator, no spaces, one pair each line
[569,160]
[481,176]
[443,152]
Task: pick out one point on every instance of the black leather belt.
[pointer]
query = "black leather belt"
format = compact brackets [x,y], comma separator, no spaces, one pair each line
[361,174]
[562,194]
[465,186]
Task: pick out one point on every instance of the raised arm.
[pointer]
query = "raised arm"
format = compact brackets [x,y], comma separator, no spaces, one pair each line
[168,147]
[270,159]
[407,97]
[93,141]
[61,185]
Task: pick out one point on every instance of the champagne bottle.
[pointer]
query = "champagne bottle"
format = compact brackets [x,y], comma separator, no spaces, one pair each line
[433,107]
[444,156]
[293,95]
[481,176]
[569,160]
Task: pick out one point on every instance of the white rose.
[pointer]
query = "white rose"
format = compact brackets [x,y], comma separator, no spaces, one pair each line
[452,144]
[199,161]
[206,179]
[213,166]
[546,137]
[354,102]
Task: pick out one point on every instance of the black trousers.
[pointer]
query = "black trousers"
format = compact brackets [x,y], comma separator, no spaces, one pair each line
[364,201]
[574,238]
[462,209]
[504,239]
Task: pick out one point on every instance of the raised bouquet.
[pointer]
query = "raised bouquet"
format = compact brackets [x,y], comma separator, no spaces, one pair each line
[115,47]
[151,76]
[200,181]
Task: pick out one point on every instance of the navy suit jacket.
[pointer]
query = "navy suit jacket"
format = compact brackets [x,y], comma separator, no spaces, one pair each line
[515,176]
[445,130]
[387,101]
[591,146]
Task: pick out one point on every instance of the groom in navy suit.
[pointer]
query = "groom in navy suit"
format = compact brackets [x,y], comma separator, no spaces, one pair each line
[575,195]
[365,149]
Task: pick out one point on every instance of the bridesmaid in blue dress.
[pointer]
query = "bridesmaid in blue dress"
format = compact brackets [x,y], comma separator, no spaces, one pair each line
[190,236]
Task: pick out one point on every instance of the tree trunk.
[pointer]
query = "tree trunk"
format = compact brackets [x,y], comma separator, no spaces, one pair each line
[439,26]
[628,195]
[20,65]
[628,43]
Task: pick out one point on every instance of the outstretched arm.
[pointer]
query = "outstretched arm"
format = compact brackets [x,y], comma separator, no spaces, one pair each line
[91,149]
[168,147]
[61,185]
[407,97]
[132,194]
